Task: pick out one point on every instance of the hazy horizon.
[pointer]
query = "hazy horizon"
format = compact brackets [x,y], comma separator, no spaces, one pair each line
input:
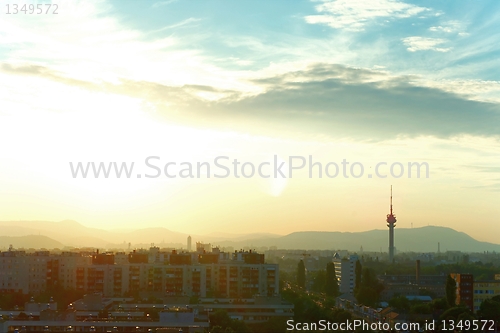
[49,235]
[389,81]
[208,233]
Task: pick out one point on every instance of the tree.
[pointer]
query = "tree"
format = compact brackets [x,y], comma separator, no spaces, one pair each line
[451,291]
[438,305]
[400,303]
[301,274]
[332,285]
[467,317]
[490,309]
[420,308]
[221,322]
[368,291]
[319,281]
[274,324]
[220,318]
[455,312]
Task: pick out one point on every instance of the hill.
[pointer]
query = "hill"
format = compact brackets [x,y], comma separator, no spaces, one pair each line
[71,233]
[30,241]
[423,239]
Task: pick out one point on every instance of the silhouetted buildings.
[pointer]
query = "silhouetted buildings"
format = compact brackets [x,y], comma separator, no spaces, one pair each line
[240,283]
[408,285]
[103,258]
[412,285]
[242,274]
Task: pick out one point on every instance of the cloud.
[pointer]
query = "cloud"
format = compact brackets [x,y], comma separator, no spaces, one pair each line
[495,187]
[162,3]
[176,25]
[478,90]
[166,95]
[90,43]
[354,15]
[417,43]
[338,101]
[449,27]
[324,100]
[43,72]
[488,169]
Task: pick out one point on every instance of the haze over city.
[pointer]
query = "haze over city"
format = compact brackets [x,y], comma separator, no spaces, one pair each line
[113,81]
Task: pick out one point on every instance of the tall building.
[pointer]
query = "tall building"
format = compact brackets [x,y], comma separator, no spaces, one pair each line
[189,244]
[345,270]
[391,224]
[465,288]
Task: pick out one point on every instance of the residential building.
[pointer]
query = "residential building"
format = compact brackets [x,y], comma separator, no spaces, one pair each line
[485,289]
[242,274]
[345,270]
[465,287]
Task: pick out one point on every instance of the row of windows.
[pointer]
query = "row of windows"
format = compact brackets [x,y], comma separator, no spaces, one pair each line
[480,285]
[486,292]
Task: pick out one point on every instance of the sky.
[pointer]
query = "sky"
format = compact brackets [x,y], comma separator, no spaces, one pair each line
[367,82]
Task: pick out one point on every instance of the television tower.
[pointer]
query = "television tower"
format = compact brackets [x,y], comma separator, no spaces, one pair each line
[391,223]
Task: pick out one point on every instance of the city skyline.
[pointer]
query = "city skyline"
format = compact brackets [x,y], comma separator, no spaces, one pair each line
[68,235]
[368,82]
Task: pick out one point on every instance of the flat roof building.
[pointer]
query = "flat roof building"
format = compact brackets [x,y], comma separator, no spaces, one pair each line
[345,271]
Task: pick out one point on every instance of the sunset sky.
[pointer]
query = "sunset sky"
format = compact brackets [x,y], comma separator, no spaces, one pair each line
[366,81]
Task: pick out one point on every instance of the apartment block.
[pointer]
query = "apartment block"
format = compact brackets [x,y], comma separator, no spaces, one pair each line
[242,274]
[345,270]
[465,287]
[485,289]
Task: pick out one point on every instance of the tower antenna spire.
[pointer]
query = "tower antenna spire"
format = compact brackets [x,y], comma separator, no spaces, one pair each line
[391,199]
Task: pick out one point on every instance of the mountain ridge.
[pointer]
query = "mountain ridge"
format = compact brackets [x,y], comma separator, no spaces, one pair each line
[422,239]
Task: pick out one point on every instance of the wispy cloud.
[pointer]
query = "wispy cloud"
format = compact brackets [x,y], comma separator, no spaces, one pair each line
[177,25]
[162,3]
[417,43]
[89,43]
[488,169]
[478,90]
[354,15]
[450,27]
